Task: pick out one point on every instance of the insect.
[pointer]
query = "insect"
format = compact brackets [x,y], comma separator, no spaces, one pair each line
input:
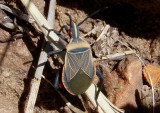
[79,68]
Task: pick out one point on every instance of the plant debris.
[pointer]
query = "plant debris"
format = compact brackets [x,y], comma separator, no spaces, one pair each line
[154,72]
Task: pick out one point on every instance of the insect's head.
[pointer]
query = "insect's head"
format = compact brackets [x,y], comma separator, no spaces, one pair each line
[74,29]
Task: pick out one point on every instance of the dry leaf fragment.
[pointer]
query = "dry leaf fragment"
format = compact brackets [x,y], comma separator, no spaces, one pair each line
[154,72]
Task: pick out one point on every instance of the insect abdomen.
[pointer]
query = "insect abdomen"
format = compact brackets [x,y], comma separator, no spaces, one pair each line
[78,71]
[79,84]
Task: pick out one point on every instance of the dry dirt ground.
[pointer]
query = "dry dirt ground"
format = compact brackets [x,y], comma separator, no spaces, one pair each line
[136,22]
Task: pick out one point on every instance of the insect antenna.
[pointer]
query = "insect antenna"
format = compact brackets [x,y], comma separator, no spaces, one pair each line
[92,14]
[74,29]
[70,19]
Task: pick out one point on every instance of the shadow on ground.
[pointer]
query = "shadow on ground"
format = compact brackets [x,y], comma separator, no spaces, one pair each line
[135,18]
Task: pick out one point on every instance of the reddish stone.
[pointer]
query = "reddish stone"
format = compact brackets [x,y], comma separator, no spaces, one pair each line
[128,76]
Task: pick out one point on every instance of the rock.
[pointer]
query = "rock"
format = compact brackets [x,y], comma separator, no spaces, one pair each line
[155,50]
[7,106]
[128,76]
[4,36]
[130,68]
[155,47]
[147,99]
[6,73]
[154,72]
[15,62]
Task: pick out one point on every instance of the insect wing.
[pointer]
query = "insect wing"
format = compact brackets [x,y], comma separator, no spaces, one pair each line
[87,64]
[76,61]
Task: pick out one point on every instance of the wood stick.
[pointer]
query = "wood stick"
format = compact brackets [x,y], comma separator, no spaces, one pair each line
[17,13]
[103,32]
[117,110]
[30,103]
[93,30]
[51,13]
[41,21]
[35,83]
[103,107]
[116,56]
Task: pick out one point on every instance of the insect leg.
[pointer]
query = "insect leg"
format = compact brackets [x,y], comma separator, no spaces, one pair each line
[99,74]
[64,27]
[67,30]
[70,19]
[58,33]
[55,52]
[56,82]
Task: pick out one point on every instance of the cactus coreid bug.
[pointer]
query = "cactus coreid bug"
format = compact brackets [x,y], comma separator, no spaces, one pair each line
[79,68]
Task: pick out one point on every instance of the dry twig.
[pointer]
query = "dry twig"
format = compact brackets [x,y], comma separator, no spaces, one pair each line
[35,83]
[116,56]
[104,105]
[41,21]
[103,32]
[17,13]
[93,30]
